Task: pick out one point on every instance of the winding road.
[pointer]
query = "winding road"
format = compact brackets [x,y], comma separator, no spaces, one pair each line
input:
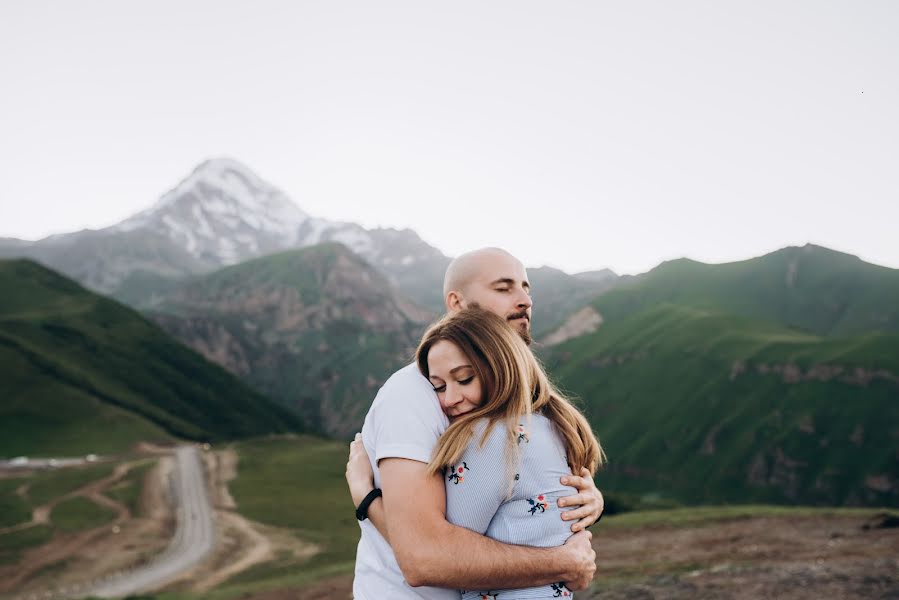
[193,541]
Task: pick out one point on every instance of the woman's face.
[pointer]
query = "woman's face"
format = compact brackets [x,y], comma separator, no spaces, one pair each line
[453,377]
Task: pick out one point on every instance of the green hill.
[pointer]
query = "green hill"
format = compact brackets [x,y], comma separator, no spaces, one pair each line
[812,289]
[80,372]
[701,406]
[557,294]
[317,329]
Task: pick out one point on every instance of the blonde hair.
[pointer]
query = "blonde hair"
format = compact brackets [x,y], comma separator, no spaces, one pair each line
[514,385]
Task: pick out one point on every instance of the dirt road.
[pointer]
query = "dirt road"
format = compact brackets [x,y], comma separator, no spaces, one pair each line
[193,541]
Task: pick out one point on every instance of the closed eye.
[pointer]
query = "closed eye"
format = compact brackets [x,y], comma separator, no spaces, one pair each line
[441,388]
[465,381]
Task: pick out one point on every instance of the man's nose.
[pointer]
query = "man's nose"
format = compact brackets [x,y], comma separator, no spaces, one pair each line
[524,300]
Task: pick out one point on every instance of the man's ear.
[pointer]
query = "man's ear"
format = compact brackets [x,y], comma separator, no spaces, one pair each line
[454,301]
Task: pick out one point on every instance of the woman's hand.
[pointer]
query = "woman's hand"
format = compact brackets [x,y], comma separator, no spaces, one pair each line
[588,499]
[359,476]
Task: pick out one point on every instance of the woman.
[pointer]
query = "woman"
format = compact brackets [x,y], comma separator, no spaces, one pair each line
[512,436]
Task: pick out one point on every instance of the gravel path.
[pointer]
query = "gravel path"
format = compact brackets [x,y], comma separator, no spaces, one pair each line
[193,541]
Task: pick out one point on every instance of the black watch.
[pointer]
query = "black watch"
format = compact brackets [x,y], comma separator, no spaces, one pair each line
[362,510]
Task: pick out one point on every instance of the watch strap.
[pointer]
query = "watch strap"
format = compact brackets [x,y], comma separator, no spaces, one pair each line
[362,510]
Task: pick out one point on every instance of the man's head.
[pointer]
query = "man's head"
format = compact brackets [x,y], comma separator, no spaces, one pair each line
[494,280]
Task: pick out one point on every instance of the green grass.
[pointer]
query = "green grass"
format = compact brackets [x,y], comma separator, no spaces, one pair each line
[689,408]
[709,515]
[48,485]
[813,289]
[13,544]
[43,487]
[297,484]
[43,416]
[79,513]
[128,490]
[67,353]
[13,508]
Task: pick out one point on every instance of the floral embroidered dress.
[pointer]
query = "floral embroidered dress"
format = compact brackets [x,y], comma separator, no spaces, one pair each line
[507,490]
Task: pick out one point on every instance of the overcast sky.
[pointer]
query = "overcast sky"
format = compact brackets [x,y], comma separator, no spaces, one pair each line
[576,134]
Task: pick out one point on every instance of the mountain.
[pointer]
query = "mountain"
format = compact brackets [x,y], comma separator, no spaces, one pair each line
[317,329]
[111,261]
[82,371]
[811,289]
[221,214]
[768,380]
[704,407]
[601,275]
[556,295]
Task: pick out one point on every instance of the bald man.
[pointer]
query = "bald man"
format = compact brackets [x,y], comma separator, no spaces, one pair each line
[408,550]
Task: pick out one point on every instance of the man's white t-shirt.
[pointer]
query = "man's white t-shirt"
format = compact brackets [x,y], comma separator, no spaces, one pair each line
[404,421]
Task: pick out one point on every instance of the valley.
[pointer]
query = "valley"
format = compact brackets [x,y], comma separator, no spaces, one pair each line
[748,409]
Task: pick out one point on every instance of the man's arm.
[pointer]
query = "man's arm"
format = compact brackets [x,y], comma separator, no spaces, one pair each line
[589,500]
[431,551]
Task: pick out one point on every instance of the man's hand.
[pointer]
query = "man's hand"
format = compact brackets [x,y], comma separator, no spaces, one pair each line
[589,501]
[582,560]
[359,475]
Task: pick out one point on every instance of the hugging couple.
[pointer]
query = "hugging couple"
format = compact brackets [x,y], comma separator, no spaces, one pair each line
[473,472]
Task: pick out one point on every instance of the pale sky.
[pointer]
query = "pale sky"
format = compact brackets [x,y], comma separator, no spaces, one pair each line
[576,134]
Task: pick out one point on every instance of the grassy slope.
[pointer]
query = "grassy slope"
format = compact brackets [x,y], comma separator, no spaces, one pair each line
[663,389]
[709,515]
[128,490]
[298,484]
[811,289]
[13,508]
[14,544]
[44,486]
[556,295]
[79,513]
[71,360]
[40,488]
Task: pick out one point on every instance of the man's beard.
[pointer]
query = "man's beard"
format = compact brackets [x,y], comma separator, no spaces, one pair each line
[523,329]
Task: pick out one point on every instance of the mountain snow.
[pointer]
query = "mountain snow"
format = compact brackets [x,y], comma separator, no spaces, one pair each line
[223,213]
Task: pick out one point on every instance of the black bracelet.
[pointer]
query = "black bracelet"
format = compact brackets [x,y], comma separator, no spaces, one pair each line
[362,511]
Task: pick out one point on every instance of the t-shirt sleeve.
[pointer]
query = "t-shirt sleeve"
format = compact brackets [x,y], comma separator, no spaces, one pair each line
[407,421]
[481,480]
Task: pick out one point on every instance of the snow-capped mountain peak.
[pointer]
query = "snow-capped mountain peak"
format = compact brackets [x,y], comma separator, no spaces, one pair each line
[223,213]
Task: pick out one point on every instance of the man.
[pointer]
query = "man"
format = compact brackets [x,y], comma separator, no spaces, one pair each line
[421,555]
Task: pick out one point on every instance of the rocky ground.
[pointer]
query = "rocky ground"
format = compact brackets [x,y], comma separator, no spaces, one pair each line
[773,557]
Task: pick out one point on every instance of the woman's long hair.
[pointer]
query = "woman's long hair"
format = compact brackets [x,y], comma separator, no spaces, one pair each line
[513,384]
